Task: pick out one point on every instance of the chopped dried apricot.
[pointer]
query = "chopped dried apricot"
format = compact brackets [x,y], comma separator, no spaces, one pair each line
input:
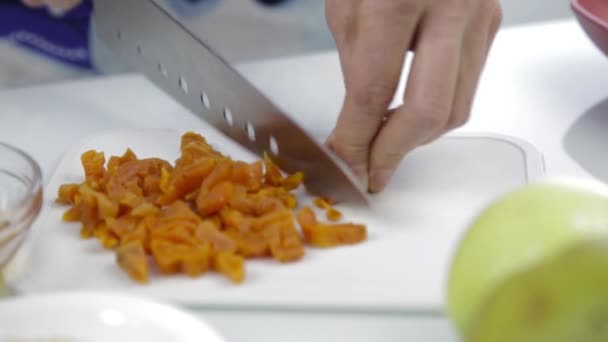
[145,209]
[132,259]
[249,175]
[321,203]
[186,179]
[273,175]
[325,235]
[217,198]
[249,244]
[93,163]
[284,242]
[205,212]
[231,265]
[67,193]
[293,181]
[307,218]
[272,218]
[333,214]
[207,233]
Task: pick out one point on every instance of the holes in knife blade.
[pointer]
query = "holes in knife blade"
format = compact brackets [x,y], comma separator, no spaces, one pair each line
[228,117]
[205,100]
[163,70]
[250,130]
[183,84]
[273,145]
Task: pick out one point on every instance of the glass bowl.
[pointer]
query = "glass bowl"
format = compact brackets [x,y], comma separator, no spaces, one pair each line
[20,200]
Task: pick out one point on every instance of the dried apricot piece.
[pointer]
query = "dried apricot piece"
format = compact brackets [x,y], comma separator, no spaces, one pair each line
[93,163]
[249,244]
[139,233]
[293,181]
[129,200]
[306,218]
[180,211]
[267,205]
[107,239]
[242,202]
[250,176]
[283,216]
[321,203]
[115,162]
[231,218]
[273,175]
[193,147]
[122,225]
[325,235]
[166,255]
[72,214]
[132,259]
[230,265]
[333,214]
[67,193]
[284,242]
[221,172]
[145,209]
[186,179]
[217,198]
[196,261]
[207,234]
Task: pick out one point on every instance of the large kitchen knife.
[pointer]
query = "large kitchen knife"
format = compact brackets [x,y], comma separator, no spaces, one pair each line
[157,45]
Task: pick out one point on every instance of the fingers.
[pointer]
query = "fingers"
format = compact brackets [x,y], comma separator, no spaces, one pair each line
[429,94]
[56,7]
[34,3]
[62,6]
[476,47]
[373,67]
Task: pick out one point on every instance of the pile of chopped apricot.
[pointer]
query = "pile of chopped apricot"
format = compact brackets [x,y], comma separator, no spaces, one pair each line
[205,212]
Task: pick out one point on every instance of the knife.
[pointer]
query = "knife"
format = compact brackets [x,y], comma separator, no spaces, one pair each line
[154,43]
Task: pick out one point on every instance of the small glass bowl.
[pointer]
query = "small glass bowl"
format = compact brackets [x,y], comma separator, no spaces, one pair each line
[20,199]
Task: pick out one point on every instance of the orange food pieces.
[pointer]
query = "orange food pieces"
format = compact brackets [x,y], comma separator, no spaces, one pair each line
[329,235]
[67,193]
[205,213]
[214,200]
[231,265]
[186,179]
[251,176]
[321,203]
[171,257]
[284,242]
[333,214]
[273,175]
[132,258]
[94,166]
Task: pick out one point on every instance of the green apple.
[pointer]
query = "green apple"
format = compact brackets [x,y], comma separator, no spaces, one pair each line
[533,267]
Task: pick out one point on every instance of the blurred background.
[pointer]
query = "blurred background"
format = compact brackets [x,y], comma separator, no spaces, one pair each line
[241,30]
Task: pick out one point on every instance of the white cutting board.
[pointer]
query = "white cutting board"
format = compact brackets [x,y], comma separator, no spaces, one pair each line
[414,227]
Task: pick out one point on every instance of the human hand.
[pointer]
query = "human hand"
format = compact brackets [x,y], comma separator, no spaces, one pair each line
[450,40]
[56,7]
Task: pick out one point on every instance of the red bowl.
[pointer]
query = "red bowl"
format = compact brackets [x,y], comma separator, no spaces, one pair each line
[593,17]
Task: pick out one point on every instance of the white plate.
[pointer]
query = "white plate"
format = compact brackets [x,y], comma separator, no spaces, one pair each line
[413,228]
[97,317]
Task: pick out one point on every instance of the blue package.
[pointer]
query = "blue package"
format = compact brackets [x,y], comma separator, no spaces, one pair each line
[65,38]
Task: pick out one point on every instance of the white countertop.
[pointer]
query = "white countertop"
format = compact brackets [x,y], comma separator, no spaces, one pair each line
[545,83]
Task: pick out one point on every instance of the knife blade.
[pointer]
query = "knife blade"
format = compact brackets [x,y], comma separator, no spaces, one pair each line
[157,45]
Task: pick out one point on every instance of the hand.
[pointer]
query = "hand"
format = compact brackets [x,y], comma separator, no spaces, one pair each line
[57,7]
[450,40]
